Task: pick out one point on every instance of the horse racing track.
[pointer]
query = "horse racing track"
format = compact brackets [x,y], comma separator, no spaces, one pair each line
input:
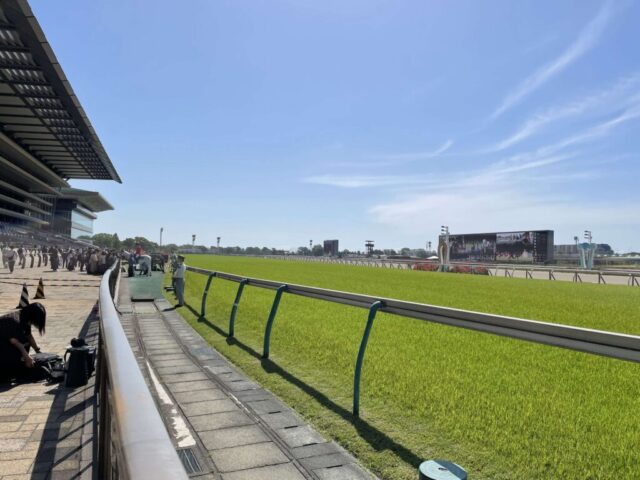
[500,407]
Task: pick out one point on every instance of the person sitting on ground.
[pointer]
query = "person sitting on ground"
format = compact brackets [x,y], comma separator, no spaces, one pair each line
[16,340]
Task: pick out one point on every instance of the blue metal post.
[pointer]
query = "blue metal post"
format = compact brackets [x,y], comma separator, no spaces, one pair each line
[234,309]
[363,347]
[203,306]
[272,317]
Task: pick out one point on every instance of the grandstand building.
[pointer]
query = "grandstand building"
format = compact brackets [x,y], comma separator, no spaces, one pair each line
[46,139]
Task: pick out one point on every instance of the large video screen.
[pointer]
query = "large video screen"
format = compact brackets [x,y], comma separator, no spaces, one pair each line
[515,247]
[508,247]
[477,248]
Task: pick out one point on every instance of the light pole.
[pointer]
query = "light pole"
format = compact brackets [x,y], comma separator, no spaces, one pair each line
[310,246]
[161,230]
[193,240]
[444,256]
[218,245]
[587,235]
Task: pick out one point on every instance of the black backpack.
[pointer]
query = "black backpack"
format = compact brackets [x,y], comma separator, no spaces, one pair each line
[81,363]
[47,366]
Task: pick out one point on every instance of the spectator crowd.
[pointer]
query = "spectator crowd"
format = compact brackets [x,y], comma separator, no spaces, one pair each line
[94,261]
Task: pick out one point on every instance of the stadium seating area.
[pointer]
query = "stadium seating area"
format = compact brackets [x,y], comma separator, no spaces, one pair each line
[21,235]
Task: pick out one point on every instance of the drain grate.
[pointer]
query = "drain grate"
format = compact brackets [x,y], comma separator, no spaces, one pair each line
[189,461]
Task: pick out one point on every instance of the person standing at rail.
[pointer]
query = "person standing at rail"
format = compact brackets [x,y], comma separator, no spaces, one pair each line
[64,254]
[11,259]
[5,251]
[21,257]
[55,259]
[178,280]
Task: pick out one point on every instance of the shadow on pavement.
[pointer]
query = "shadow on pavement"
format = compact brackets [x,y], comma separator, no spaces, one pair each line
[378,440]
[67,448]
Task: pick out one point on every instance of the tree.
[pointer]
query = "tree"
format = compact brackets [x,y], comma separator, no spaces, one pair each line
[171,247]
[317,251]
[128,243]
[303,251]
[421,253]
[406,251]
[106,240]
[389,251]
[147,245]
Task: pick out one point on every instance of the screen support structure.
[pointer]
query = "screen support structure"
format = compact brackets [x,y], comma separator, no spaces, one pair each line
[444,248]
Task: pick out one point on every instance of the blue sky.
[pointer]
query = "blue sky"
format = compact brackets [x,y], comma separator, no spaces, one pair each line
[273,123]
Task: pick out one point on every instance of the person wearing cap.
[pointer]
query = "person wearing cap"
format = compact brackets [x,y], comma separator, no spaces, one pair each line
[178,280]
[16,339]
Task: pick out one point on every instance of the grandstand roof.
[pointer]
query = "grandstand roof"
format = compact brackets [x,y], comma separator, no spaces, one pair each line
[38,108]
[93,201]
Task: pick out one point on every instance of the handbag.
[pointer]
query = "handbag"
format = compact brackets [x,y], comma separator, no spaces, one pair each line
[49,366]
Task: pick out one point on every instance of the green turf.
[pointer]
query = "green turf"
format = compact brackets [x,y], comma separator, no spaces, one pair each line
[502,408]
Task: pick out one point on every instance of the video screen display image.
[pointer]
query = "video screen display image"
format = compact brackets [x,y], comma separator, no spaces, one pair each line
[479,248]
[528,246]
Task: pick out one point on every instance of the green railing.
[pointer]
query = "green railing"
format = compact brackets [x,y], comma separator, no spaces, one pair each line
[610,344]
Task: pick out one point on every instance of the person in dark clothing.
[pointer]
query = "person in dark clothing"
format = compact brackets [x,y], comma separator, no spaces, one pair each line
[55,259]
[16,339]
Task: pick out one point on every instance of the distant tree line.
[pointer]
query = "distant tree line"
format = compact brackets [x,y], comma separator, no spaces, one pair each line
[112,241]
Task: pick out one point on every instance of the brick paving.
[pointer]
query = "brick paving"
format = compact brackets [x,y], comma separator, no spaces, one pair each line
[235,428]
[46,431]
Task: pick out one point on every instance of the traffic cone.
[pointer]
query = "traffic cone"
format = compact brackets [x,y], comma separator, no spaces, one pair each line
[24,297]
[40,291]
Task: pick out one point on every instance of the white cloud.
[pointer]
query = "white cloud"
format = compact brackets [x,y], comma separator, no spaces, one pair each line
[495,209]
[364,181]
[587,38]
[418,155]
[595,132]
[616,96]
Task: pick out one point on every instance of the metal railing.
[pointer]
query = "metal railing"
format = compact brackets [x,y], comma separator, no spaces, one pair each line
[133,442]
[610,344]
[508,270]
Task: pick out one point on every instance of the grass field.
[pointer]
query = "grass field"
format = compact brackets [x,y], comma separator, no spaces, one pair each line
[502,408]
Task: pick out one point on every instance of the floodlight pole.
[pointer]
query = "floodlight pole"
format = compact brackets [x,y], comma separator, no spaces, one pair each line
[161,230]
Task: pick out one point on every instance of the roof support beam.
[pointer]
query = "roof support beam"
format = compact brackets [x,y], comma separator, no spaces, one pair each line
[31,164]
[24,193]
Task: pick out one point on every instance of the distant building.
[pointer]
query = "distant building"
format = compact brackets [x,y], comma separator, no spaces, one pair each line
[570,251]
[331,247]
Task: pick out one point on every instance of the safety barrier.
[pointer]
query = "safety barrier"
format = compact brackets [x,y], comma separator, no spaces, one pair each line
[492,269]
[132,440]
[610,344]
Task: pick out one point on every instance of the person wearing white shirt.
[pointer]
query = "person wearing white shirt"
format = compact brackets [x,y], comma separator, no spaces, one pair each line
[178,280]
[11,256]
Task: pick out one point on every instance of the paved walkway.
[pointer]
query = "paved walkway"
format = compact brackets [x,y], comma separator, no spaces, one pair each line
[46,431]
[224,425]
